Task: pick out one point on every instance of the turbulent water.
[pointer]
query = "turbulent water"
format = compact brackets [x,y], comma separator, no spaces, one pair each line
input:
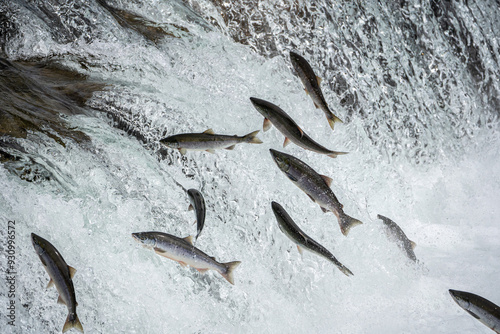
[88,88]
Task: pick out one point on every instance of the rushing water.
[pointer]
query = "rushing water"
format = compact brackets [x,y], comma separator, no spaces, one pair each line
[88,88]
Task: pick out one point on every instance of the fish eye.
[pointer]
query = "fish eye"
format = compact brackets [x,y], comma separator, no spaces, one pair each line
[278,159]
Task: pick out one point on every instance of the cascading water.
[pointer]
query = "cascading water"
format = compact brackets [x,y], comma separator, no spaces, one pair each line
[88,88]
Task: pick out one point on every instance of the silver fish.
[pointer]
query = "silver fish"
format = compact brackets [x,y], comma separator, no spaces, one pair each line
[207,141]
[311,83]
[60,276]
[197,204]
[292,231]
[480,308]
[274,115]
[395,232]
[183,251]
[316,186]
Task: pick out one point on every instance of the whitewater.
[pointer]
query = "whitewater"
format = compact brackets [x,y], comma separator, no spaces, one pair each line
[416,84]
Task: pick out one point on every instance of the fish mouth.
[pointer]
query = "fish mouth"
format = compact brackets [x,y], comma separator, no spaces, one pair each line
[275,206]
[35,240]
[293,55]
[169,142]
[459,298]
[278,158]
[137,237]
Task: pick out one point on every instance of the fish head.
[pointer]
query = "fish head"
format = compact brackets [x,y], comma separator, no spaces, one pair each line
[171,142]
[279,213]
[281,159]
[461,298]
[193,194]
[39,243]
[277,208]
[260,105]
[145,239]
[296,60]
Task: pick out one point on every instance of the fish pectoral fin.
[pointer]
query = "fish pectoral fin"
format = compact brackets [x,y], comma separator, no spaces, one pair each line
[51,283]
[328,180]
[301,251]
[267,124]
[286,142]
[318,79]
[202,270]
[191,207]
[473,314]
[72,271]
[60,300]
[209,132]
[231,147]
[413,244]
[182,150]
[183,264]
[335,154]
[316,105]
[306,91]
[210,151]
[324,210]
[312,199]
[189,239]
[159,251]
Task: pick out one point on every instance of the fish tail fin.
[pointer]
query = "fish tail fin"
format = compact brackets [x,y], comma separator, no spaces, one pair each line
[72,321]
[334,154]
[341,267]
[345,270]
[346,223]
[332,119]
[252,138]
[229,271]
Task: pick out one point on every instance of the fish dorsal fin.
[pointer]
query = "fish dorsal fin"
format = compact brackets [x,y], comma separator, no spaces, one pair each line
[267,124]
[191,207]
[286,142]
[316,105]
[51,283]
[183,150]
[213,258]
[72,271]
[231,147]
[60,300]
[327,179]
[413,244]
[301,132]
[319,80]
[324,210]
[209,132]
[473,314]
[300,250]
[189,239]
